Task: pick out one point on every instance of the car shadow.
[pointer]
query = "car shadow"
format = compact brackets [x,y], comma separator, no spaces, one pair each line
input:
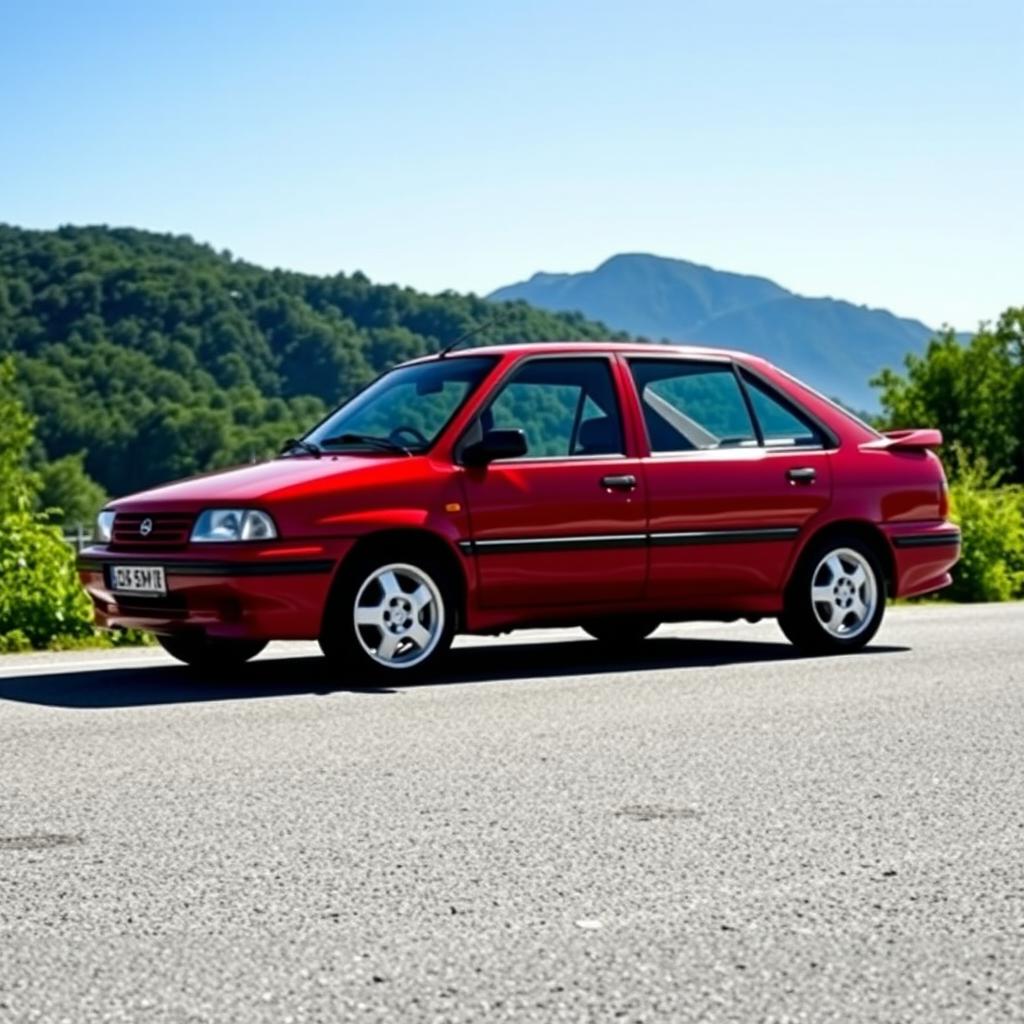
[134,686]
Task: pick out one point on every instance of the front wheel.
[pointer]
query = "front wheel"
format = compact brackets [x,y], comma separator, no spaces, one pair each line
[390,617]
[836,599]
[201,651]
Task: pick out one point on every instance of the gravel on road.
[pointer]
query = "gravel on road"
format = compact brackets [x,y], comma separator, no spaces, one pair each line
[710,828]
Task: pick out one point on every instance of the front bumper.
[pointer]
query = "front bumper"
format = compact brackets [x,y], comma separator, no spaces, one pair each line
[923,555]
[267,592]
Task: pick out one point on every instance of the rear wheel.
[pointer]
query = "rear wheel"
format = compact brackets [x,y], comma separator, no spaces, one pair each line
[622,631]
[390,616]
[836,598]
[201,651]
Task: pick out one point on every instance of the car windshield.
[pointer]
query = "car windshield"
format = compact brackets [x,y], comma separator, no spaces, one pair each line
[406,409]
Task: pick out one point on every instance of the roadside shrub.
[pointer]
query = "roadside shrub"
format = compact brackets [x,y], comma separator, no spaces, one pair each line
[40,596]
[101,639]
[41,601]
[14,642]
[991,519]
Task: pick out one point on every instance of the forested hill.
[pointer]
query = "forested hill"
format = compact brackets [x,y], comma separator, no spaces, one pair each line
[158,357]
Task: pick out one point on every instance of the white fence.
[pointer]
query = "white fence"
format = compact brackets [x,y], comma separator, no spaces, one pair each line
[79,537]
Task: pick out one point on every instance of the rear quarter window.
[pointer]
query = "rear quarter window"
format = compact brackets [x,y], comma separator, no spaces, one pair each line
[781,422]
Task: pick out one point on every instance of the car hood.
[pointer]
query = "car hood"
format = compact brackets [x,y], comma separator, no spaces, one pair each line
[266,483]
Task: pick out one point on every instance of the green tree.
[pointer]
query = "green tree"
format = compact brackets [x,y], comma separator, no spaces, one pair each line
[66,488]
[40,596]
[18,486]
[974,392]
[158,357]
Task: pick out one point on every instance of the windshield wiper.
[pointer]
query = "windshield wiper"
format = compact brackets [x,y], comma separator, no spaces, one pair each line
[385,444]
[296,444]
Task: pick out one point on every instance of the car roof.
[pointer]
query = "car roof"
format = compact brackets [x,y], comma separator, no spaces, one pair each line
[670,349]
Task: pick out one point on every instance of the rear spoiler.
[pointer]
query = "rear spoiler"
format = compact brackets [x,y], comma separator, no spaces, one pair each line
[905,440]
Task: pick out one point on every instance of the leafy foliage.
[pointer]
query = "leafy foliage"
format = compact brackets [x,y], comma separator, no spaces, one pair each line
[67,493]
[18,486]
[39,592]
[159,358]
[973,391]
[991,521]
[41,600]
[40,595]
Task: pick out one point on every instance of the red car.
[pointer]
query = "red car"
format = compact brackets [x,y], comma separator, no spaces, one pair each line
[609,486]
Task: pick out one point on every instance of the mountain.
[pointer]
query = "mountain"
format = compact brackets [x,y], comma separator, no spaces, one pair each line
[156,357]
[834,345]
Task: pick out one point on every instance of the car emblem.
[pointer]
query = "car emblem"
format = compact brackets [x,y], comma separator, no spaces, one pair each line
[146,527]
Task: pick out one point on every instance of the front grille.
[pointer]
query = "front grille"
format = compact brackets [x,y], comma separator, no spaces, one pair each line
[151,531]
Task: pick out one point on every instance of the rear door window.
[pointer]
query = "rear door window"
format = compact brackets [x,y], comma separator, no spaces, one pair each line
[690,406]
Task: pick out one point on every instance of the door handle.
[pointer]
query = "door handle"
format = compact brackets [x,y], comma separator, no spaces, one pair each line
[625,482]
[803,475]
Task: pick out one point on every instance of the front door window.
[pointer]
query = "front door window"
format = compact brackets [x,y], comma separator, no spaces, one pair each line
[566,408]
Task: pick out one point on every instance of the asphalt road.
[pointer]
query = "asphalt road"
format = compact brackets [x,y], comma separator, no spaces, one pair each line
[710,830]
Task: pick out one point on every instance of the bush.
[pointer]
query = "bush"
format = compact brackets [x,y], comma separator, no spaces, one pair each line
[991,519]
[40,596]
[42,603]
[14,642]
[102,639]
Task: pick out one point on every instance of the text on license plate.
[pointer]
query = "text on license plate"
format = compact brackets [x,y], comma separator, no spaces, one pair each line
[138,579]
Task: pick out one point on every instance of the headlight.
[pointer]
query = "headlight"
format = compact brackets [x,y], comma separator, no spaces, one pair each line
[104,526]
[227,524]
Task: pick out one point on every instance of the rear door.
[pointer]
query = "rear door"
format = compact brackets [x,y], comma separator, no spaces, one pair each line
[564,525]
[728,498]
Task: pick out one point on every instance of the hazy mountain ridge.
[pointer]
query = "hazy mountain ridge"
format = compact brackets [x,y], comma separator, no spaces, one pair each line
[836,345]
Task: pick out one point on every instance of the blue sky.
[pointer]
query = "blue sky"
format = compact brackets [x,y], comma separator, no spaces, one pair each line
[872,150]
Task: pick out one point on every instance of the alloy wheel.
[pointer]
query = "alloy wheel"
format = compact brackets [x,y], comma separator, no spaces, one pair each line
[844,593]
[399,615]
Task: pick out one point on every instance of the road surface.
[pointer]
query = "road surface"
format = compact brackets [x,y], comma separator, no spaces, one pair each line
[711,830]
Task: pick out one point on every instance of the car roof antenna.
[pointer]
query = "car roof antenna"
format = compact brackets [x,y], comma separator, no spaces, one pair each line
[472,332]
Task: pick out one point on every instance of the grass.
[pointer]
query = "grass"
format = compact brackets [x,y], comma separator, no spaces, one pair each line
[15,642]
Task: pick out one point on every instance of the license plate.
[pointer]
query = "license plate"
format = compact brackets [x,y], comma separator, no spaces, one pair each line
[138,579]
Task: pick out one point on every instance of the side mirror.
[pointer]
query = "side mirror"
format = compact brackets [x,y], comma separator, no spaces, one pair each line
[496,444]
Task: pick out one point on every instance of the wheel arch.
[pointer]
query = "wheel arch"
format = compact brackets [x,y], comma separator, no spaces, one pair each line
[861,528]
[387,541]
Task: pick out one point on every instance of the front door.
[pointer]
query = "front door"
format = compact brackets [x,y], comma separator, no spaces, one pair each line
[734,476]
[565,524]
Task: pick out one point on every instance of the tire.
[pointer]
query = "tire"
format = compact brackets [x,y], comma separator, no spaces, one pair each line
[391,616]
[624,631]
[836,598]
[200,651]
